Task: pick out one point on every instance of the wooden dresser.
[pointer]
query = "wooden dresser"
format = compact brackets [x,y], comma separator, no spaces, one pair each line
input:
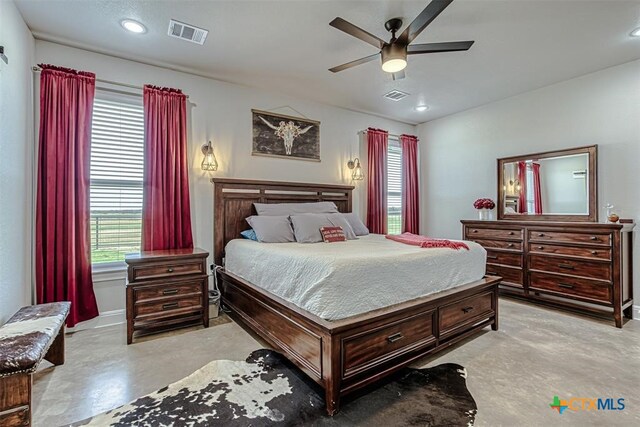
[166,289]
[583,267]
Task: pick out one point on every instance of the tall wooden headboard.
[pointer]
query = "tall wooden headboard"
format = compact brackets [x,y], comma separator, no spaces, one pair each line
[234,198]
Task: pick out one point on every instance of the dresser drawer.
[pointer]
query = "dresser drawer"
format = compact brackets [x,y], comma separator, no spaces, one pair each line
[589,269]
[467,310]
[368,349]
[176,289]
[167,269]
[493,233]
[510,275]
[583,288]
[504,258]
[168,307]
[16,417]
[499,244]
[558,236]
[599,253]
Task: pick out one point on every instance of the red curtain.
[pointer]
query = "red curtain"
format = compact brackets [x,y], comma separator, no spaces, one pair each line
[537,191]
[377,144]
[166,212]
[522,179]
[63,251]
[410,195]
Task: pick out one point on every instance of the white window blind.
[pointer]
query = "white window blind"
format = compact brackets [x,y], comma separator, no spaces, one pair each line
[394,187]
[117,140]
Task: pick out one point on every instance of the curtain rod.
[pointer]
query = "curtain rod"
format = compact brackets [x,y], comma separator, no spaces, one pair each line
[391,135]
[37,69]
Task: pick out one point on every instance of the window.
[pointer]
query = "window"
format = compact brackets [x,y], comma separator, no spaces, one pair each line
[117,140]
[394,187]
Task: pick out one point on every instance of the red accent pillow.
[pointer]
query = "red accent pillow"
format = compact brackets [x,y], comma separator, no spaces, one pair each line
[333,234]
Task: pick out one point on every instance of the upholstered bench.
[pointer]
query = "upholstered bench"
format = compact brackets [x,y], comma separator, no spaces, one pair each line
[33,333]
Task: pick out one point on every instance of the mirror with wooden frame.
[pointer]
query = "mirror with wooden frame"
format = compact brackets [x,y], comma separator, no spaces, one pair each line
[552,186]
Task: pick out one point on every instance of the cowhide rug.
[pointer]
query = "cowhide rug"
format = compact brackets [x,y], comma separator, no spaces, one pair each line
[268,390]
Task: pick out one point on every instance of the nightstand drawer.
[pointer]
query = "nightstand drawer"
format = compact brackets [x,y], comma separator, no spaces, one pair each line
[167,269]
[176,289]
[167,306]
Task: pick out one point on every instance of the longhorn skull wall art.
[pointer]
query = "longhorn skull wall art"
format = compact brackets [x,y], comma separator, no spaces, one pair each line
[277,135]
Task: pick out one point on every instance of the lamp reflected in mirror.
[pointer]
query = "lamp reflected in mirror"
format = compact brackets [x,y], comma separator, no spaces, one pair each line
[209,163]
[354,165]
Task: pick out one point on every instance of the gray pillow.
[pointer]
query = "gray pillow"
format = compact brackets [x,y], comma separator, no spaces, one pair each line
[356,224]
[306,227]
[272,229]
[279,209]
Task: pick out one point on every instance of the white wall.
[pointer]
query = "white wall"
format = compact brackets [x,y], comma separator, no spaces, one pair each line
[222,113]
[16,153]
[459,152]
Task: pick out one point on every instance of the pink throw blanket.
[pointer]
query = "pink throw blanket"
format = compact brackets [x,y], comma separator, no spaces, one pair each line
[426,242]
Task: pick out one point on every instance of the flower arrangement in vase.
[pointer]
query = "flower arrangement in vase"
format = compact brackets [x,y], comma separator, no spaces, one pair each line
[484,207]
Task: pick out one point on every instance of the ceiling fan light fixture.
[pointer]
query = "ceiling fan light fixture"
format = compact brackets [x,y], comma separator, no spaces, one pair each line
[394,58]
[636,32]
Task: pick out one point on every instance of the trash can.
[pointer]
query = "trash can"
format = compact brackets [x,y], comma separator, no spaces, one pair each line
[214,303]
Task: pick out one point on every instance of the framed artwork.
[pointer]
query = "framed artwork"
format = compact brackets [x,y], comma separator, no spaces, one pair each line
[277,135]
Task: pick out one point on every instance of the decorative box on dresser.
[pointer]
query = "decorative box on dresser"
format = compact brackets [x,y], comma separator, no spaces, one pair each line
[166,289]
[579,266]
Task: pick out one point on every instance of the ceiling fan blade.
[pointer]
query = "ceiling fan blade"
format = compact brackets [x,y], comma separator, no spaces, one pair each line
[398,76]
[413,49]
[354,63]
[357,32]
[430,13]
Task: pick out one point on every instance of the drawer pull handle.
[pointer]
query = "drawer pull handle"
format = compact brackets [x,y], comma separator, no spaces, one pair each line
[565,285]
[170,270]
[475,231]
[594,252]
[511,233]
[169,292]
[540,234]
[541,248]
[566,266]
[465,310]
[510,245]
[395,337]
[492,256]
[594,238]
[169,306]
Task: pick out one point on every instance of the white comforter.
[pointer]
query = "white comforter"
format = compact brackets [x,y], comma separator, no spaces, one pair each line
[338,280]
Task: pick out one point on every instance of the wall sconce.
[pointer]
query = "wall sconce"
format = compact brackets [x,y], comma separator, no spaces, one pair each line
[209,163]
[354,165]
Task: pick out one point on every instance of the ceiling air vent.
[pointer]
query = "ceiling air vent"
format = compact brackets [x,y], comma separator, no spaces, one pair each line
[396,95]
[187,32]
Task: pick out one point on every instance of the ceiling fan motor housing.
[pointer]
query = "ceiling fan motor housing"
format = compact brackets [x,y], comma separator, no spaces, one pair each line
[394,57]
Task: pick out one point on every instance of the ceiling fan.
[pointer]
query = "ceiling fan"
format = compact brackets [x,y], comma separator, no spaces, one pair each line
[394,52]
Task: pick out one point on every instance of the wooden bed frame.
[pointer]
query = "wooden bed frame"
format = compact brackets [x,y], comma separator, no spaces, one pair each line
[345,355]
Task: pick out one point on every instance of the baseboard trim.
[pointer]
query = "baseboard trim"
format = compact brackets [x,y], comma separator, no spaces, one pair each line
[107,318]
[636,312]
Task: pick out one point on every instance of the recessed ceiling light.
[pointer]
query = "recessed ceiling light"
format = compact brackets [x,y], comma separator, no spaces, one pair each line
[422,108]
[636,32]
[133,26]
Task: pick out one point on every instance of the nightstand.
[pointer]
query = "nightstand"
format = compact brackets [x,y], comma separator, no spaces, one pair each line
[165,290]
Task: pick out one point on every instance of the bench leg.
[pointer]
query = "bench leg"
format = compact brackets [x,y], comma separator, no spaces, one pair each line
[15,400]
[55,354]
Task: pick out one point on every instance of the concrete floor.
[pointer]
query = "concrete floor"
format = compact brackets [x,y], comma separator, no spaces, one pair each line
[513,373]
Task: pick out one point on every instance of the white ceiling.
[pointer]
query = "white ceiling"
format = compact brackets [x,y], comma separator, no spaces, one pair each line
[287,46]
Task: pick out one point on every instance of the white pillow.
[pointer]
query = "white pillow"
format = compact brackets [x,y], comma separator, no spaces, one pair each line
[279,209]
[356,224]
[306,227]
